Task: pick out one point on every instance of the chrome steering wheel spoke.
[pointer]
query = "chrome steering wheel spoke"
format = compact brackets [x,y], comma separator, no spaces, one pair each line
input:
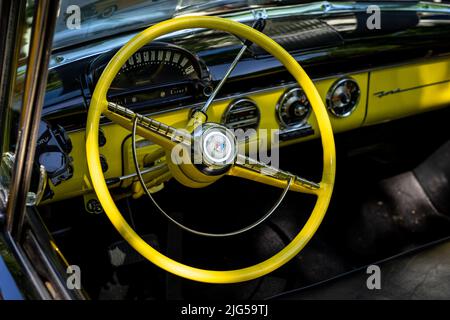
[252,169]
[165,136]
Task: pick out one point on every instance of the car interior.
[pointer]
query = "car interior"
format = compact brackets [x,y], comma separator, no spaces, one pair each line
[349,115]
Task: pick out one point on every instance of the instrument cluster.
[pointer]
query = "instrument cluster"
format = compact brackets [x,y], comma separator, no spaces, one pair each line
[157,75]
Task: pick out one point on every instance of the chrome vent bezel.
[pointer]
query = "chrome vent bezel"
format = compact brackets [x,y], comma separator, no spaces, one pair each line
[231,109]
[331,91]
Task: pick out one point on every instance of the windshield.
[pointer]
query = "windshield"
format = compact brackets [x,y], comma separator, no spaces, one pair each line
[85,20]
[92,19]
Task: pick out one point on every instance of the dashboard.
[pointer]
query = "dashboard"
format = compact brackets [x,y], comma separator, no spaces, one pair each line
[363,80]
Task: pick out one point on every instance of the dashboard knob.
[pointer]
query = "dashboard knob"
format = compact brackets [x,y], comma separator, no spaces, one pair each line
[299,109]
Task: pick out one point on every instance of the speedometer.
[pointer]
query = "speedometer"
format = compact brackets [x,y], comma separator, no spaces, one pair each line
[157,66]
[157,74]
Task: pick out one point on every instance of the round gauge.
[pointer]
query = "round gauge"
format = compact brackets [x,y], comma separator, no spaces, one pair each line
[293,108]
[343,97]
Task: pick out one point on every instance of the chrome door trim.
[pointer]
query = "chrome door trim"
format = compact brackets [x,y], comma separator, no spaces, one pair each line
[33,100]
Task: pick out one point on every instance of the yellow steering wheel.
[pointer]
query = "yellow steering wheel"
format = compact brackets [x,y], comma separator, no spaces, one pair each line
[190,175]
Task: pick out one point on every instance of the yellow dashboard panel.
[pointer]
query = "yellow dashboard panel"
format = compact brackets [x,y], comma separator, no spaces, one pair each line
[406,90]
[118,157]
[385,94]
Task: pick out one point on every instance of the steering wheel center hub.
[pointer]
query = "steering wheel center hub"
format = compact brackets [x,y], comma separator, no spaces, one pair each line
[215,149]
[218,148]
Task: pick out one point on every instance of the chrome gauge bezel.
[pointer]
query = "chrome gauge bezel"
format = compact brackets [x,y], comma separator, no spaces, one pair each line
[331,91]
[286,95]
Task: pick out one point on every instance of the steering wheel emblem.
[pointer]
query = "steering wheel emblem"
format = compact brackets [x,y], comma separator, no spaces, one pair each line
[218,147]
